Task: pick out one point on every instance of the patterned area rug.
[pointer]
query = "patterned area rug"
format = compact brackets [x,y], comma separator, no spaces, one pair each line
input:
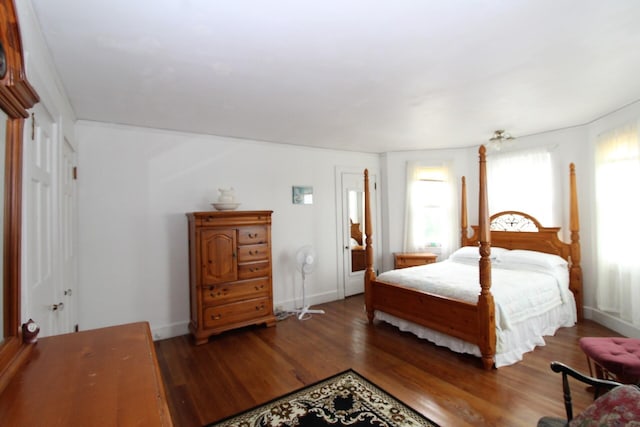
[346,399]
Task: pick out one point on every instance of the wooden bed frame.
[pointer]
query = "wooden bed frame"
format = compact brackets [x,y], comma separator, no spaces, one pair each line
[474,323]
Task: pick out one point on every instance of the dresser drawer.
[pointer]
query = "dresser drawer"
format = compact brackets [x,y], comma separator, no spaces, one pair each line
[236,312]
[253,253]
[252,235]
[254,269]
[216,294]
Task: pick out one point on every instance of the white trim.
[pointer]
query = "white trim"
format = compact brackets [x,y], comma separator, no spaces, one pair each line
[614,323]
[170,331]
[293,303]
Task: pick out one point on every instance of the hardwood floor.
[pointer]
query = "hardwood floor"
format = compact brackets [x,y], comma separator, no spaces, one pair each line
[240,369]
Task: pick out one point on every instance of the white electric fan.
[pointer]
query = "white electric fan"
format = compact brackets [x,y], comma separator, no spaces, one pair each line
[305,262]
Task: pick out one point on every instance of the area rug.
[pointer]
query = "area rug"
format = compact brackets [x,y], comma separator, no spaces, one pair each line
[345,399]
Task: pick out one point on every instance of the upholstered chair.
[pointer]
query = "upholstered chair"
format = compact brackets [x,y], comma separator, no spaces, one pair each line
[615,404]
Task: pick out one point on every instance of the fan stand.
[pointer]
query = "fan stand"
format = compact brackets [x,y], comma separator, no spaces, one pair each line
[305,308]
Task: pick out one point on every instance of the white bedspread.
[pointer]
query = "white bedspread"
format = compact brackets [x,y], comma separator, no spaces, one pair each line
[518,294]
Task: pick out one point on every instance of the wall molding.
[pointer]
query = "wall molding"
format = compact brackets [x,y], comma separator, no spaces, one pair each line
[618,325]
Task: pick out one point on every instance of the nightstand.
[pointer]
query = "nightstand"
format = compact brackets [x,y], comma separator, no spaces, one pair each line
[411,259]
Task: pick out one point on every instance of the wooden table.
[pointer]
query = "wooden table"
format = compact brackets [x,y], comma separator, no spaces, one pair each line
[102,377]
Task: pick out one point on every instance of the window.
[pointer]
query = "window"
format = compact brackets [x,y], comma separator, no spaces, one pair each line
[617,172]
[430,216]
[521,181]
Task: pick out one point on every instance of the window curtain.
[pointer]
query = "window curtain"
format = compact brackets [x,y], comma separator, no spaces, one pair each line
[521,181]
[431,217]
[617,209]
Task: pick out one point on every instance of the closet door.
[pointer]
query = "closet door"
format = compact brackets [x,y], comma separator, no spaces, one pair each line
[43,298]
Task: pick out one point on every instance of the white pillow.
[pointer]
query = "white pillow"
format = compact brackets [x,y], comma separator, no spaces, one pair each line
[534,259]
[471,254]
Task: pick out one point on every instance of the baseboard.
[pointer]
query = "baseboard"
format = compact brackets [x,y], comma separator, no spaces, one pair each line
[614,323]
[292,304]
[170,331]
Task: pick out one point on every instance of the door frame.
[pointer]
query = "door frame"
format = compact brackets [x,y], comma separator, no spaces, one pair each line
[68,225]
[343,233]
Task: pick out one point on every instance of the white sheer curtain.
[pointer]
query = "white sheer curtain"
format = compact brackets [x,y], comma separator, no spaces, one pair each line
[521,181]
[430,213]
[617,210]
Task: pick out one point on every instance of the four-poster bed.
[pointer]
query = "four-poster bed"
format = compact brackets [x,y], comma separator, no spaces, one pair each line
[469,324]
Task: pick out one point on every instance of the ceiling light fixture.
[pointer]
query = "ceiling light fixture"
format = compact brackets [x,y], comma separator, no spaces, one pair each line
[499,138]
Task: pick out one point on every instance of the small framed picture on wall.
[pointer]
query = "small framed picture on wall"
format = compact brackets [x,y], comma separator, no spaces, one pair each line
[302,195]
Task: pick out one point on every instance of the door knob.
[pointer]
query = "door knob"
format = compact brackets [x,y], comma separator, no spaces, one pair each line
[67,292]
[56,307]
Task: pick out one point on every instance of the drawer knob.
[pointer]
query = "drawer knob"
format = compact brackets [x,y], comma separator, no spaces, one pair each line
[216,317]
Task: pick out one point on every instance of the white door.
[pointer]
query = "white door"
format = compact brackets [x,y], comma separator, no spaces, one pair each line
[40,242]
[68,237]
[352,236]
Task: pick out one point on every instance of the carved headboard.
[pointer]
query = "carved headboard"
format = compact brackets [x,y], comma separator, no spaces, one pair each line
[518,230]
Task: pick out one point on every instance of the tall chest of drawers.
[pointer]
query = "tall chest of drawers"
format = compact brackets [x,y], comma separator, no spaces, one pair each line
[230,283]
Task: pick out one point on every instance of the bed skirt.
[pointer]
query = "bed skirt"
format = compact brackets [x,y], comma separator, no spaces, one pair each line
[511,344]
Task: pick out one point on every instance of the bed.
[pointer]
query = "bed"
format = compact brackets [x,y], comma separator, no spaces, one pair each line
[471,323]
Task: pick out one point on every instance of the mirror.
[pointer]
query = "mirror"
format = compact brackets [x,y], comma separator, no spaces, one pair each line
[355,209]
[16,97]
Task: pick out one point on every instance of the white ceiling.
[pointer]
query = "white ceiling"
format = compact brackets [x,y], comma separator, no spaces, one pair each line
[364,75]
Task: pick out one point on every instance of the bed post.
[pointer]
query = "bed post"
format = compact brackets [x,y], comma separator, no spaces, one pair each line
[575,273]
[369,275]
[464,223]
[486,306]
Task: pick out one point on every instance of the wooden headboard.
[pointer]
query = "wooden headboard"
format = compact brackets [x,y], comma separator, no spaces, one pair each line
[356,233]
[518,230]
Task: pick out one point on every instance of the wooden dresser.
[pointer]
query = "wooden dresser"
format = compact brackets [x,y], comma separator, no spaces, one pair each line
[412,259]
[230,283]
[101,377]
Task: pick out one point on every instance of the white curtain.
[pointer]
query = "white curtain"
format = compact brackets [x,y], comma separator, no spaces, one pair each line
[521,181]
[617,210]
[431,219]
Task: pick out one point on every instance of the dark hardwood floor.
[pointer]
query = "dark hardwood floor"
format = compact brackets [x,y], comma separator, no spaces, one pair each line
[240,369]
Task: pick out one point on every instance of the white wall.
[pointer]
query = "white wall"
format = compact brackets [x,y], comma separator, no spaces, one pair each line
[135,187]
